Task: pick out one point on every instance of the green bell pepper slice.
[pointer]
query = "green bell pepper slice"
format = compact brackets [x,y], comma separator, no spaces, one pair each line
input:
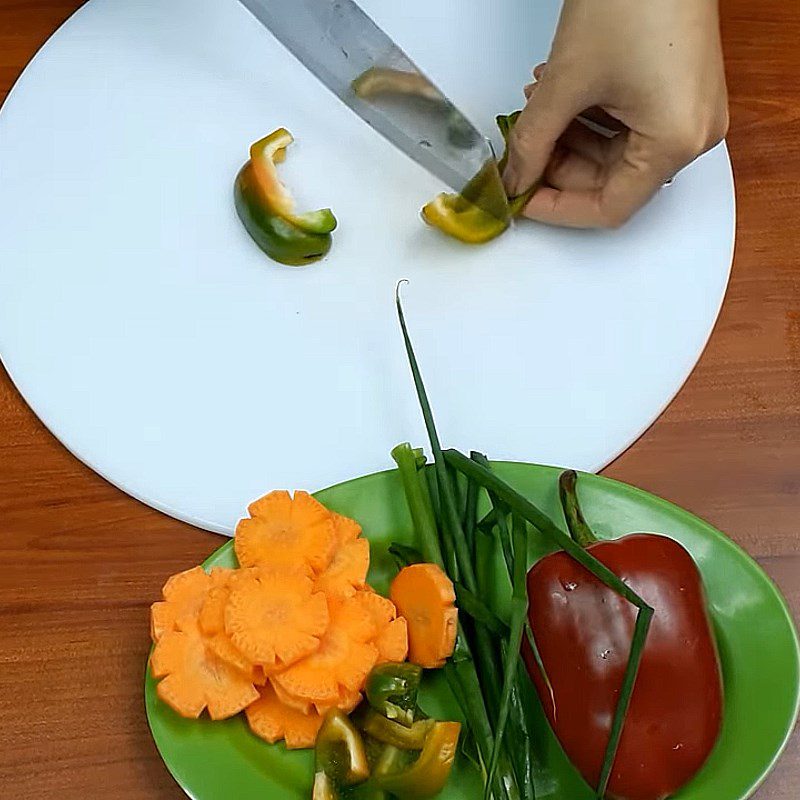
[392,691]
[425,777]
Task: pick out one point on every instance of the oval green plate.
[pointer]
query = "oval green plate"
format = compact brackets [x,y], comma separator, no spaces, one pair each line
[757,640]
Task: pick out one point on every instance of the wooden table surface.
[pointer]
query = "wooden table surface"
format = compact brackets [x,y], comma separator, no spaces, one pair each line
[81,561]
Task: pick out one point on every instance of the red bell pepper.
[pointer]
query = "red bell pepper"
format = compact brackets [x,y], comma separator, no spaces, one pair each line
[582,631]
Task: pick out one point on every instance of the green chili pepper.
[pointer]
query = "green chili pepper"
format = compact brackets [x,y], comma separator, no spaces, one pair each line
[427,775]
[392,690]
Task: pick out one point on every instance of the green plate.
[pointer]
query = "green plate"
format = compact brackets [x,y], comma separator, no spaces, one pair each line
[758,647]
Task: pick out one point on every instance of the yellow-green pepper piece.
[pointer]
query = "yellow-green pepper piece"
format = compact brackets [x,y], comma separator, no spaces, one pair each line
[266,208]
[425,777]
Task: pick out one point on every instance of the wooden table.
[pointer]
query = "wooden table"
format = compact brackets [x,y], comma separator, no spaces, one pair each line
[81,562]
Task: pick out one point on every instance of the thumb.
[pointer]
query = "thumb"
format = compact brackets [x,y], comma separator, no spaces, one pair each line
[546,115]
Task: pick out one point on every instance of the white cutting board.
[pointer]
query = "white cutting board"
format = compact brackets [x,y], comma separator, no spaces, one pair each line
[167,352]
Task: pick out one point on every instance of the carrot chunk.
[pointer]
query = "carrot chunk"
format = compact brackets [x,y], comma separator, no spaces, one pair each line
[424,595]
[346,529]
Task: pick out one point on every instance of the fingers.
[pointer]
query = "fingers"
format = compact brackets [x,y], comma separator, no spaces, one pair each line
[570,171]
[549,110]
[538,71]
[605,198]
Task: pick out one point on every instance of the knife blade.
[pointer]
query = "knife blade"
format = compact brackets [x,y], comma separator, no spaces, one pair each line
[364,68]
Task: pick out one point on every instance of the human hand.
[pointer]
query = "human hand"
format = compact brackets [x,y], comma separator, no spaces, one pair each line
[657,68]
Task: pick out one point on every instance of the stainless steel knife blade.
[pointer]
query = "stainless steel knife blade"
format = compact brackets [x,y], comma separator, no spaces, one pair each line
[365,69]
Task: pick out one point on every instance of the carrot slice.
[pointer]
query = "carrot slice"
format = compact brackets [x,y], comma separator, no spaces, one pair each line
[381,610]
[284,531]
[194,678]
[424,595]
[342,662]
[270,719]
[346,529]
[346,703]
[347,570]
[274,618]
[183,596]
[392,642]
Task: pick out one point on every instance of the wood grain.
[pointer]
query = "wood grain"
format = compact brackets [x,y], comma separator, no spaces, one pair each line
[81,561]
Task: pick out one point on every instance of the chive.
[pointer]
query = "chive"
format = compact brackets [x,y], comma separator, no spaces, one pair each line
[452,524]
[472,605]
[519,610]
[418,504]
[501,514]
[528,511]
[643,619]
[471,516]
[576,523]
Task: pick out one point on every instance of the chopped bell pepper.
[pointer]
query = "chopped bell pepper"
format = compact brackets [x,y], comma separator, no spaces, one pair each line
[425,777]
[459,216]
[389,732]
[339,753]
[266,207]
[392,690]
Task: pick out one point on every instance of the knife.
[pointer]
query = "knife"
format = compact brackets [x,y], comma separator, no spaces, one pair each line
[366,70]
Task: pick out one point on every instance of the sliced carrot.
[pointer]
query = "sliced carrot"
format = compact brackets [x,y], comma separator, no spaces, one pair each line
[424,595]
[392,642]
[346,703]
[381,610]
[342,662]
[347,570]
[275,618]
[346,529]
[283,531]
[272,720]
[290,700]
[183,596]
[194,678]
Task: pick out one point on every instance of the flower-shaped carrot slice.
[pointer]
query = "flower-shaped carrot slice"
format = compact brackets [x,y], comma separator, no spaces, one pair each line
[347,570]
[392,642]
[272,720]
[183,596]
[380,609]
[346,529]
[284,531]
[194,678]
[275,618]
[342,662]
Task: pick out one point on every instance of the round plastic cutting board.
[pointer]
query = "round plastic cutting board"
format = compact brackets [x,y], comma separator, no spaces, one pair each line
[167,352]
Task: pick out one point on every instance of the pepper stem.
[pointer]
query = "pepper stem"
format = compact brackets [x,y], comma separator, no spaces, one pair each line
[579,529]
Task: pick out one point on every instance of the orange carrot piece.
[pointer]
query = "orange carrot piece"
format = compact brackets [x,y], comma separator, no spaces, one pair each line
[183,596]
[275,618]
[282,531]
[392,642]
[381,610]
[270,719]
[194,678]
[346,529]
[346,703]
[347,570]
[342,662]
[424,595]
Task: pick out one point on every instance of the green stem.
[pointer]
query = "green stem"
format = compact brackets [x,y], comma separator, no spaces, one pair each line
[419,503]
[576,523]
